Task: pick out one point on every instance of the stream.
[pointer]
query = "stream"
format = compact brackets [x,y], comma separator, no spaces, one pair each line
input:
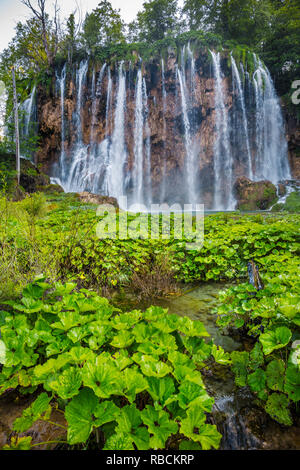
[243,424]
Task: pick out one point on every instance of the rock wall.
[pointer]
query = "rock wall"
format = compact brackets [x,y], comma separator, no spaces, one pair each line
[165,120]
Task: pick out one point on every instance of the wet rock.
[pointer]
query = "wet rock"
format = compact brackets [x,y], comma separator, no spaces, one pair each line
[31,178]
[281,190]
[253,196]
[51,188]
[11,407]
[90,198]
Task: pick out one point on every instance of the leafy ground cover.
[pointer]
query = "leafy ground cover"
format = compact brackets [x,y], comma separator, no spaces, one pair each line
[271,317]
[123,380]
[63,332]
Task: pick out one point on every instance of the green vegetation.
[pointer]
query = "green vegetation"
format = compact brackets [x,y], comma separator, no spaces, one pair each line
[292,203]
[122,380]
[134,380]
[271,318]
[64,344]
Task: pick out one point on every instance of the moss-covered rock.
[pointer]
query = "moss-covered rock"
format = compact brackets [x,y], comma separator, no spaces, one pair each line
[252,196]
[50,189]
[292,204]
[31,178]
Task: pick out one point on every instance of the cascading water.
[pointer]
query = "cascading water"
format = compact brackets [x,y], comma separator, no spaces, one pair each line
[138,172]
[223,164]
[148,146]
[62,86]
[237,130]
[164,99]
[117,151]
[238,83]
[271,157]
[28,109]
[190,162]
[72,176]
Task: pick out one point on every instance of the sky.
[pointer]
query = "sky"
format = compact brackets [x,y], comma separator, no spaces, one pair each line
[12,11]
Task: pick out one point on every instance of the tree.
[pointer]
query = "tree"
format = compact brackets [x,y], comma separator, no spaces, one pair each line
[157,19]
[196,12]
[133,32]
[49,29]
[246,21]
[280,49]
[17,139]
[72,34]
[102,27]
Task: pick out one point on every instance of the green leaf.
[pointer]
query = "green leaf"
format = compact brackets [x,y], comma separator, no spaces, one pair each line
[132,383]
[19,443]
[189,445]
[256,356]
[2,352]
[129,423]
[106,412]
[119,442]
[292,382]
[188,391]
[159,425]
[191,327]
[240,361]
[79,415]
[277,407]
[67,384]
[275,339]
[275,375]
[102,377]
[150,366]
[33,413]
[194,427]
[122,340]
[220,356]
[257,380]
[161,390]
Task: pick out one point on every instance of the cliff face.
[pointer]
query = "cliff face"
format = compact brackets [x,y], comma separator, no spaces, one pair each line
[172,128]
[293,138]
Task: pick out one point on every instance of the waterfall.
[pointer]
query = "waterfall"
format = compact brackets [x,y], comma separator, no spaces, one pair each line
[28,107]
[238,83]
[148,146]
[62,87]
[242,136]
[138,141]
[223,163]
[96,94]
[164,99]
[117,152]
[271,156]
[106,143]
[190,153]
[72,177]
[76,178]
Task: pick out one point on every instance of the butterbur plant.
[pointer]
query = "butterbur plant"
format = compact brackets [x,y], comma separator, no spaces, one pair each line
[123,380]
[271,318]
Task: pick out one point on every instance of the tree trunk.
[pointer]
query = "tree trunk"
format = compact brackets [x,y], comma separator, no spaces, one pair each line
[16,125]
